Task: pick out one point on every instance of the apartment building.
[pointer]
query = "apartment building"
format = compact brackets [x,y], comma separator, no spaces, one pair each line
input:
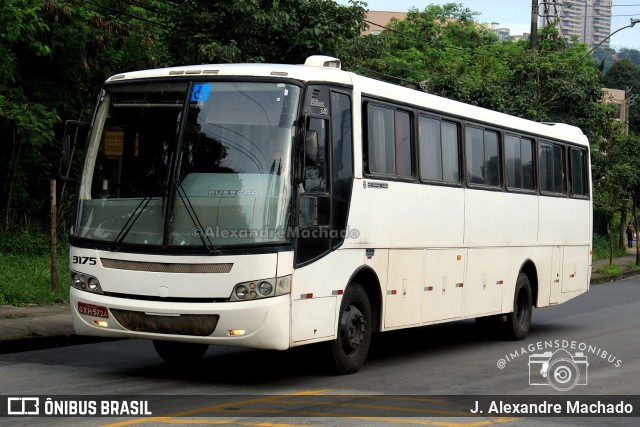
[588,20]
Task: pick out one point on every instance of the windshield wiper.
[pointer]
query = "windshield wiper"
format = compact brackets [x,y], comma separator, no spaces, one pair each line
[117,243]
[208,244]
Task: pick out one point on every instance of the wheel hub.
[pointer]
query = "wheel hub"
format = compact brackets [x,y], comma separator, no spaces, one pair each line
[353,329]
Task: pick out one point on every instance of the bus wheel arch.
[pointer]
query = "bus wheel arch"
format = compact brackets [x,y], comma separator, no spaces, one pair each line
[368,279]
[529,268]
[515,324]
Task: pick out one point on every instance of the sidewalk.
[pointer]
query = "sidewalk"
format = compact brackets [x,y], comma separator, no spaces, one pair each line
[626,263]
[45,326]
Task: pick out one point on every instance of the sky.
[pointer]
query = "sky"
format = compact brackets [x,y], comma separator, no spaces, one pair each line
[516,15]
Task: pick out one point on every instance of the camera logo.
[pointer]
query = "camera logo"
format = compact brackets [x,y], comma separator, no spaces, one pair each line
[560,369]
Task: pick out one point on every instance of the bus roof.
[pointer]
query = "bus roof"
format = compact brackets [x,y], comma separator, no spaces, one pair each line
[327,69]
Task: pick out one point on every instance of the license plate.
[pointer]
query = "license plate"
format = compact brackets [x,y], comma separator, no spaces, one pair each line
[93,310]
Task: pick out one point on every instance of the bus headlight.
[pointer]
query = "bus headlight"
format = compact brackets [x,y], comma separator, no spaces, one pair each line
[76,281]
[85,282]
[93,284]
[263,288]
[241,292]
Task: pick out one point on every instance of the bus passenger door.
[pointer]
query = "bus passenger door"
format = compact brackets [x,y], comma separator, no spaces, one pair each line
[324,173]
[443,285]
[314,197]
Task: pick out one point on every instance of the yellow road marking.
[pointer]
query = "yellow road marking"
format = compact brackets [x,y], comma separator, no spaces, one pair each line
[375,419]
[369,406]
[173,418]
[214,408]
[183,421]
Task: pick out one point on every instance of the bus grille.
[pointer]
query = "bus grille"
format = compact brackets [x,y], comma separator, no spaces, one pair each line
[199,325]
[161,267]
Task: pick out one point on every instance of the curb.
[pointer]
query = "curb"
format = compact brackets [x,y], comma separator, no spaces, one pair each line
[606,279]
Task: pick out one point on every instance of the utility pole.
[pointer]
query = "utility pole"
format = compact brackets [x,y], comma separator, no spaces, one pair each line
[534,25]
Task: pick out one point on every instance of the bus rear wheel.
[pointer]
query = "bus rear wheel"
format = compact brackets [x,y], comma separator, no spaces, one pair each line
[351,346]
[179,352]
[519,321]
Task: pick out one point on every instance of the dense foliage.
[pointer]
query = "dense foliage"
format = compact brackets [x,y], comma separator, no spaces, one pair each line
[444,51]
[53,57]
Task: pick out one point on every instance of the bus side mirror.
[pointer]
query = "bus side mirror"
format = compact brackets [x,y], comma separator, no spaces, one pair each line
[65,160]
[311,148]
[64,152]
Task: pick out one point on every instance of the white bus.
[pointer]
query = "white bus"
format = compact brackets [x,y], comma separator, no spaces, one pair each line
[273,206]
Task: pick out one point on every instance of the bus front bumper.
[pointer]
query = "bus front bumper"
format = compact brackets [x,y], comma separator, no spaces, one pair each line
[262,323]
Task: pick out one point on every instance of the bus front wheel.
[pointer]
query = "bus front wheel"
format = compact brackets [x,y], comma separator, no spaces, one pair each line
[351,346]
[179,352]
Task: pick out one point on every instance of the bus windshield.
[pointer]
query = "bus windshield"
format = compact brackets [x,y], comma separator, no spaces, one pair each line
[170,164]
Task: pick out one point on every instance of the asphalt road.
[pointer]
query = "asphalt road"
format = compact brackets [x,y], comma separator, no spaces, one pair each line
[426,376]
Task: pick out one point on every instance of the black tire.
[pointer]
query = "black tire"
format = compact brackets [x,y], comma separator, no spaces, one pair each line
[519,321]
[354,331]
[179,352]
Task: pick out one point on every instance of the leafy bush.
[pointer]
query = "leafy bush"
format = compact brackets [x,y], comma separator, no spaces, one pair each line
[610,270]
[601,248]
[25,266]
[26,239]
[26,279]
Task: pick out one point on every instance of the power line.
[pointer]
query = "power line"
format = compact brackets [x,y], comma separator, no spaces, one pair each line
[121,12]
[133,27]
[142,5]
[555,8]
[380,73]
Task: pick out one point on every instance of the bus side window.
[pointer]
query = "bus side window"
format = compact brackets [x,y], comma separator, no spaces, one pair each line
[519,163]
[315,177]
[438,147]
[577,177]
[483,158]
[388,150]
[552,168]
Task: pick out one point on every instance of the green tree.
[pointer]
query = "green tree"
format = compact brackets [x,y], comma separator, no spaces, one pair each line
[25,126]
[442,50]
[616,176]
[625,75]
[632,54]
[283,31]
[53,57]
